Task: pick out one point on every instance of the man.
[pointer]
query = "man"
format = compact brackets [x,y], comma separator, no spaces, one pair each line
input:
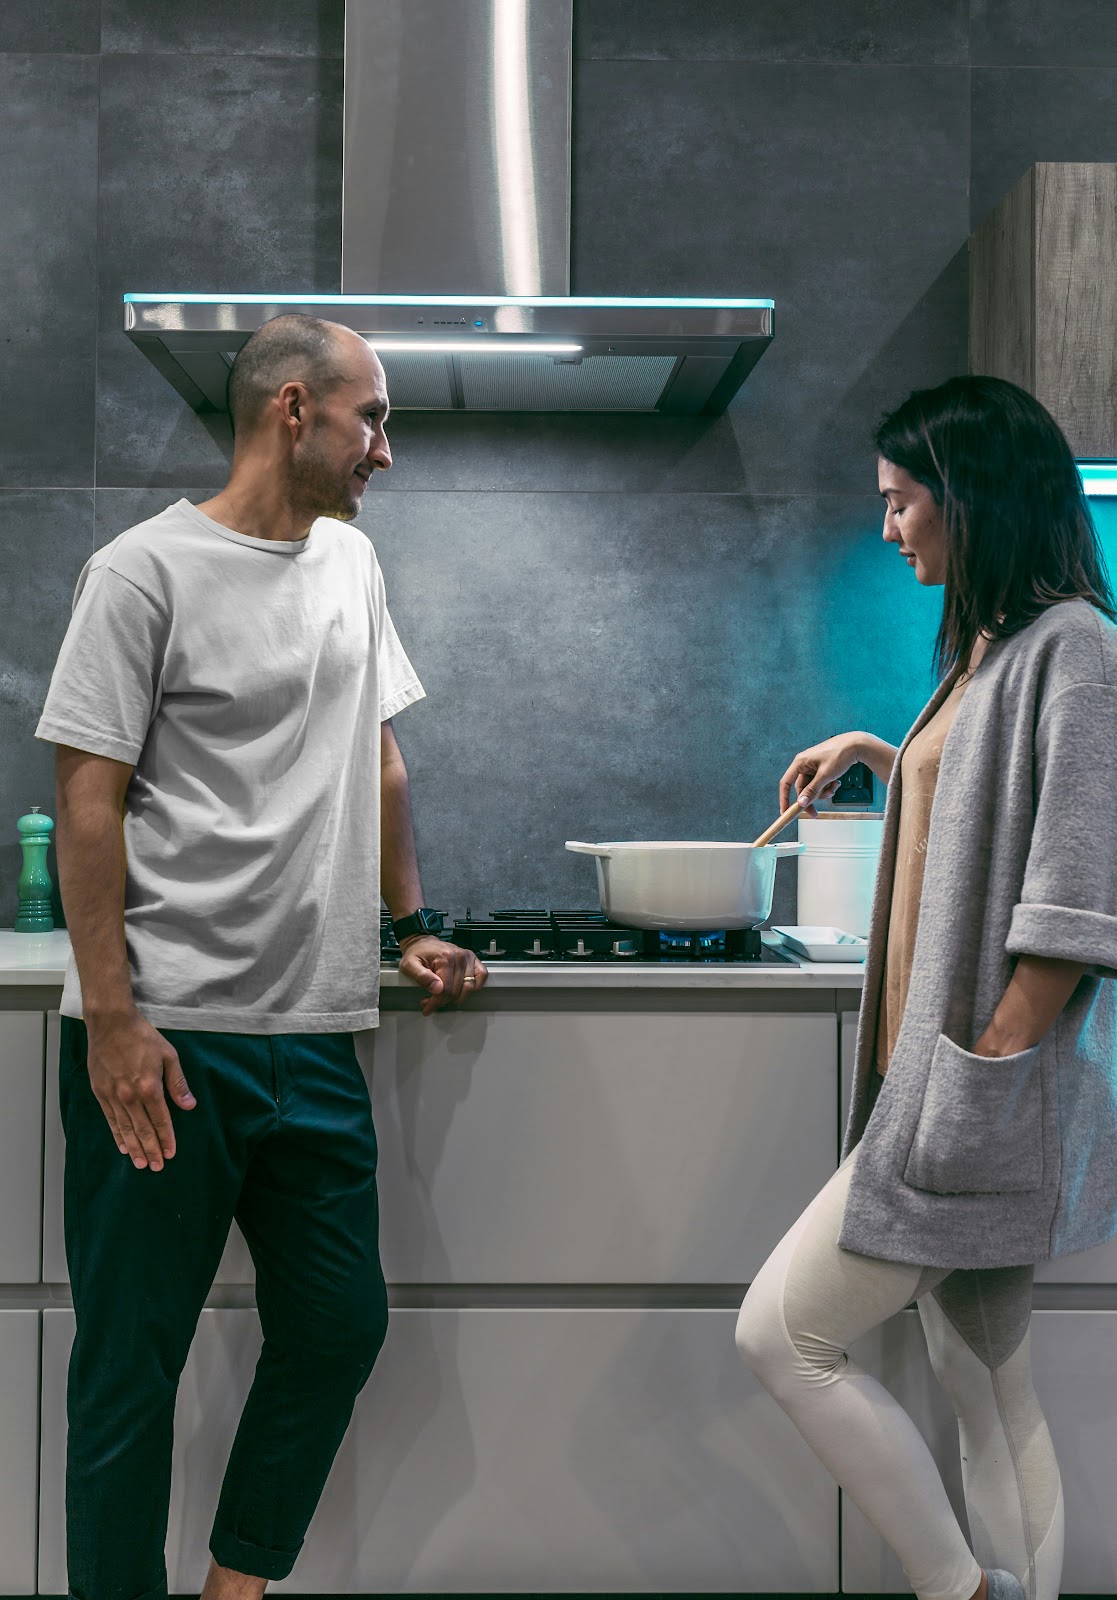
[231,800]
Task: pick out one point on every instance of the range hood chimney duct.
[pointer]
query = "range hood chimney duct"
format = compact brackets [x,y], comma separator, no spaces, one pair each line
[457,147]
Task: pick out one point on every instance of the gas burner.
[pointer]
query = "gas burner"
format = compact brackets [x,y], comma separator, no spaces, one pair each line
[587,936]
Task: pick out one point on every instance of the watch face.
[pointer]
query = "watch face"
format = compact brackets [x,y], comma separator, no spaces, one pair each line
[431,920]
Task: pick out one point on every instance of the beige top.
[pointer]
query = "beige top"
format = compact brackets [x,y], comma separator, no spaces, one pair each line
[919,772]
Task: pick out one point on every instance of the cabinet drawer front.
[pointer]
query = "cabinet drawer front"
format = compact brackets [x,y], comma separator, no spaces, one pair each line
[21,1144]
[510,1451]
[598,1148]
[19,1448]
[578,1148]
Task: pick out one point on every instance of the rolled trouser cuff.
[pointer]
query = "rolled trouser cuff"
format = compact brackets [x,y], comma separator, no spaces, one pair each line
[254,1559]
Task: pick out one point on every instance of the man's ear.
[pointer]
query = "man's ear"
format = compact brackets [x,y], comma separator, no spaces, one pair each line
[291,399]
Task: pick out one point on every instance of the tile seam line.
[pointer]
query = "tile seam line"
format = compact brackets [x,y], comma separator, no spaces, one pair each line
[760,61]
[193,55]
[757,61]
[1047,66]
[67,55]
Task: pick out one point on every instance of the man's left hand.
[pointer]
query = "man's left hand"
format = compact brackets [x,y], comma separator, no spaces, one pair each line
[448,973]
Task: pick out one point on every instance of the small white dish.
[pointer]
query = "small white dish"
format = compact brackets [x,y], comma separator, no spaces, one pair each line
[824,944]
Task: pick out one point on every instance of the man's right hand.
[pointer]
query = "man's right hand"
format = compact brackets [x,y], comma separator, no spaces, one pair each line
[129,1062]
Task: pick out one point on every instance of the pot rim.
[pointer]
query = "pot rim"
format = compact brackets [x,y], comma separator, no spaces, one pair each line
[787,846]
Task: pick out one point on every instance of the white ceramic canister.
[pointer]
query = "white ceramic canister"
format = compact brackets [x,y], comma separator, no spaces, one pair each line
[838,868]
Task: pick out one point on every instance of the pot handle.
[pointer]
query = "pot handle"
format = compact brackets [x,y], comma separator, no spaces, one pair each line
[794,847]
[589,849]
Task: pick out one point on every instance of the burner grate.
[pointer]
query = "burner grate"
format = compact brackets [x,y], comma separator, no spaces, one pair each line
[588,936]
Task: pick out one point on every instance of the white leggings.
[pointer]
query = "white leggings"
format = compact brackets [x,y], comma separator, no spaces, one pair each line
[811,1300]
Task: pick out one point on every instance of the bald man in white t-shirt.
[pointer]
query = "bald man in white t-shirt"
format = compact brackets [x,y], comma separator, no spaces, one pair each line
[231,803]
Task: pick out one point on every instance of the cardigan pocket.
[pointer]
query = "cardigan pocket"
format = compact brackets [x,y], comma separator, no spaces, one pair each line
[980,1128]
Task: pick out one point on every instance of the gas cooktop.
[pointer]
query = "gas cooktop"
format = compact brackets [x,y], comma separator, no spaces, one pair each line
[551,936]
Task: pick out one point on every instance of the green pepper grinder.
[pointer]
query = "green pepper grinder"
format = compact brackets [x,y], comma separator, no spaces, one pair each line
[34,913]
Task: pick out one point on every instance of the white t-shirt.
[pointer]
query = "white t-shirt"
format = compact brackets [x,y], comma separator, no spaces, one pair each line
[246,680]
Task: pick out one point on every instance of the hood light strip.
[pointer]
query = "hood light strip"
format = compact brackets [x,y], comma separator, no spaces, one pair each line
[469,347]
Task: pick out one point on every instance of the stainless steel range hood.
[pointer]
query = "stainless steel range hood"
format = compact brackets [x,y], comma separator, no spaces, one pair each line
[455,239]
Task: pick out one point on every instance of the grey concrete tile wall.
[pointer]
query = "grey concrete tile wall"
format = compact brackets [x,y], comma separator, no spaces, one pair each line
[840,192]
[48,269]
[216,173]
[631,666]
[628,623]
[59,26]
[46,537]
[922,31]
[1026,114]
[438,451]
[119,509]
[214,27]
[1039,33]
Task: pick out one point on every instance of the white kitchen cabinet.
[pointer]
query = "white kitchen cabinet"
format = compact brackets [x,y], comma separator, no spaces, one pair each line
[1074,1356]
[576,1147]
[583,1147]
[510,1450]
[236,1263]
[1087,1266]
[19,1443]
[551,1450]
[21,1144]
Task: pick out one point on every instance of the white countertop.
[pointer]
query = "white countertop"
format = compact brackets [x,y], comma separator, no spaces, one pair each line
[40,958]
[33,957]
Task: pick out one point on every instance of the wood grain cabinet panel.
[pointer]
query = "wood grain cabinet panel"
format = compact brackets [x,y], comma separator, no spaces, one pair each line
[1043,297]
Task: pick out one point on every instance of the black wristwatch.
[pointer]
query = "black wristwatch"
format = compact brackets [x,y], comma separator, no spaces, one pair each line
[422,921]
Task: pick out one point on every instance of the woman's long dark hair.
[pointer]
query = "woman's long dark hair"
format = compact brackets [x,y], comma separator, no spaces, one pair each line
[1019,534]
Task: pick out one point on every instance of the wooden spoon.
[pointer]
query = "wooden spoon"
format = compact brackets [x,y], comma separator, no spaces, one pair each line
[779,825]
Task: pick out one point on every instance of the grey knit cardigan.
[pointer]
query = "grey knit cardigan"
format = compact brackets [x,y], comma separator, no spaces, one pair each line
[967,1161]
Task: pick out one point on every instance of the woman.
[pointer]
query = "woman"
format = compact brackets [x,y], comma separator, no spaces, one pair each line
[983,1123]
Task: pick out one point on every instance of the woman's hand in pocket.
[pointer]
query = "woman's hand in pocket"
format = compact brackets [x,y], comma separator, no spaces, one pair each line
[995,1045]
[1038,990]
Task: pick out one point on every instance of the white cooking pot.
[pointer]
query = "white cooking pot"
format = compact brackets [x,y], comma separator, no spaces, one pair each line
[686,887]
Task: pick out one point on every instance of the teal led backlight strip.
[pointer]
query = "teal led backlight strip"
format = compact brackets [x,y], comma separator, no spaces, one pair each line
[1099,479]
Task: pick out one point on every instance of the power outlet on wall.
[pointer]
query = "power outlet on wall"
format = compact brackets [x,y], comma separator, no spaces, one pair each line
[856,787]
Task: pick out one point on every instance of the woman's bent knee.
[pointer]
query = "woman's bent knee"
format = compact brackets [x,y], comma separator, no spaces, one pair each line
[760,1337]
